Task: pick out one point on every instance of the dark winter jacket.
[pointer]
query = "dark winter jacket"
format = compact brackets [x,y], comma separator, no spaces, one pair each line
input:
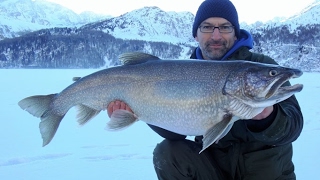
[252,144]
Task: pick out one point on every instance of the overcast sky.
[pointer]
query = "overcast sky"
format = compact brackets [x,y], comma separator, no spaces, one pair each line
[249,10]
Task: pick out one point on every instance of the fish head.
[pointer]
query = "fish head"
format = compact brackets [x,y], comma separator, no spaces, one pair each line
[262,85]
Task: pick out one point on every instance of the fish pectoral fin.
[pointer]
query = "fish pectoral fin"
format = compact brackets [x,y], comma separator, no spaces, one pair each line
[85,113]
[218,131]
[121,119]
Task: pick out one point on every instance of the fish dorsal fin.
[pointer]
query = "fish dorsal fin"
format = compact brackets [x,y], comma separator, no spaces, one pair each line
[136,58]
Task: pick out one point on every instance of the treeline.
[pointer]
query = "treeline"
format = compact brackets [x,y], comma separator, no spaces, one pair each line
[85,48]
[298,48]
[309,34]
[71,48]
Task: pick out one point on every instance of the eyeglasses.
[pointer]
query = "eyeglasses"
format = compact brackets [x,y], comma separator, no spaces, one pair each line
[210,29]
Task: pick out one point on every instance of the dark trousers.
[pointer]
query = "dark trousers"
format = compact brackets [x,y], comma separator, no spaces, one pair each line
[180,160]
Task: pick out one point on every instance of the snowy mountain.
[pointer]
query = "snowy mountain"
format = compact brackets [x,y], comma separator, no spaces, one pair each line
[21,16]
[149,24]
[293,42]
[309,15]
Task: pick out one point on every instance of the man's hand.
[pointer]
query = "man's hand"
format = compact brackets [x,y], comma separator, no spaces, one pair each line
[265,113]
[114,105]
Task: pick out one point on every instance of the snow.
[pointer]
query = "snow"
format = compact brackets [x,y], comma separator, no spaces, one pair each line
[91,152]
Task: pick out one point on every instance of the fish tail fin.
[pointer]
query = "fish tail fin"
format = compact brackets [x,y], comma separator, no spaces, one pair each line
[48,126]
[39,106]
[121,119]
[85,113]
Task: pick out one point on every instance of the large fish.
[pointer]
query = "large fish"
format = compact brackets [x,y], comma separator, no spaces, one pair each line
[189,97]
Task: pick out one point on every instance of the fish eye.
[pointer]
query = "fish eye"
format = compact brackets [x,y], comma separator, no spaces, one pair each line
[273,72]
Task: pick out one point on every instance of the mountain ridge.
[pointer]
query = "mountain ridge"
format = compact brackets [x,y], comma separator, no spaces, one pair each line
[293,42]
[19,17]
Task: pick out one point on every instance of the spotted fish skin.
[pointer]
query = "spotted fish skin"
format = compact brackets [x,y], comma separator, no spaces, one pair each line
[188,97]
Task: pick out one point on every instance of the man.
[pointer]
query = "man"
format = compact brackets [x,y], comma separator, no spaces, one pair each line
[260,148]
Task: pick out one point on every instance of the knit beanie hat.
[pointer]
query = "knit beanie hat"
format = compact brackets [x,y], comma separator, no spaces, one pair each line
[216,8]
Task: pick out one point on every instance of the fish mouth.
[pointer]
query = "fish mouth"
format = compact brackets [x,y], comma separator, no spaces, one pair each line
[290,89]
[279,90]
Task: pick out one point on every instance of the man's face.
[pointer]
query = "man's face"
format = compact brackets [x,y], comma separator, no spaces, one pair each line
[215,45]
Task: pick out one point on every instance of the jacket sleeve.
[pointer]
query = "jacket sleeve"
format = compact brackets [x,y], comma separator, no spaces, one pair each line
[283,126]
[167,134]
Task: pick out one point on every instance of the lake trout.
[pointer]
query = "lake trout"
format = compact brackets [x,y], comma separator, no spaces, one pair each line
[188,97]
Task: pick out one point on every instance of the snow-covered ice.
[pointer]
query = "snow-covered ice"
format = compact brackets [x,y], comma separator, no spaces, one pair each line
[91,152]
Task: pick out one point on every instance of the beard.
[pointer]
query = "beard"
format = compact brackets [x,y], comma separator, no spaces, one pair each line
[215,53]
